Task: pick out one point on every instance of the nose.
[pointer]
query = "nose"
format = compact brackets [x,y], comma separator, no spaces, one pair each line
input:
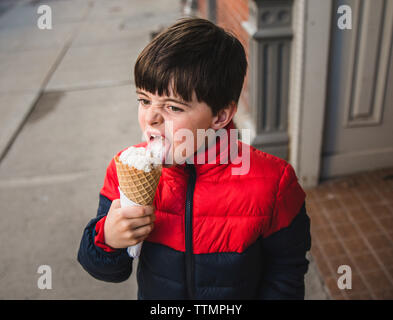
[153,116]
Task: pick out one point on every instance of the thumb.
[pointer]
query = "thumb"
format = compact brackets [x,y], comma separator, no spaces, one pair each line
[116,204]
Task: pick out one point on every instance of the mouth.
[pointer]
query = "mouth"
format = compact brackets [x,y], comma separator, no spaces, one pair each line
[158,144]
[152,134]
[155,137]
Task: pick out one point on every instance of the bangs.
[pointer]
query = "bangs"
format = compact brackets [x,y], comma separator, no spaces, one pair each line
[157,79]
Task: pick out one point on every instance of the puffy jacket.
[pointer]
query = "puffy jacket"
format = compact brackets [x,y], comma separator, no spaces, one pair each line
[216,236]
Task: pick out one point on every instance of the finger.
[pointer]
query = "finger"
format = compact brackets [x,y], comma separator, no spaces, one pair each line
[136,240]
[149,210]
[136,211]
[132,212]
[142,231]
[140,222]
[142,238]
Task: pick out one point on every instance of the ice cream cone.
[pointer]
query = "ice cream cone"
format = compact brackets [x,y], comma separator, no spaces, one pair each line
[137,185]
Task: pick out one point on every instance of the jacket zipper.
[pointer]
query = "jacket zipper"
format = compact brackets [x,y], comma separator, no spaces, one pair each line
[189,256]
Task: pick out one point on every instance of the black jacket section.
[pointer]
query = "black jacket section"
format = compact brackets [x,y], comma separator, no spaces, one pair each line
[285,263]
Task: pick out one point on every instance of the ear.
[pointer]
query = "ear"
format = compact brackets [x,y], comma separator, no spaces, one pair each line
[224,116]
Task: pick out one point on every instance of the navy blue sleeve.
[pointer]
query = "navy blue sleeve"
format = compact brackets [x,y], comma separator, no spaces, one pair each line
[284,253]
[106,266]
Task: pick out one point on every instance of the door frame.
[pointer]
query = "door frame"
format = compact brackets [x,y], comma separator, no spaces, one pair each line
[309,97]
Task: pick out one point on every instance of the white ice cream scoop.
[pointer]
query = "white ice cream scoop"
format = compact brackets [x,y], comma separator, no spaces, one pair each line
[141,158]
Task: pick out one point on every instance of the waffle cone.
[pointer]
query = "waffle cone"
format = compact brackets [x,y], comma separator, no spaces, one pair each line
[137,185]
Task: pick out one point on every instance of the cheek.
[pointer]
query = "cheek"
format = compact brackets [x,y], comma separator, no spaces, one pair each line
[184,141]
[141,118]
[192,125]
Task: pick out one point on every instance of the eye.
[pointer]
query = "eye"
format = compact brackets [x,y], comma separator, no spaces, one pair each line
[175,109]
[143,102]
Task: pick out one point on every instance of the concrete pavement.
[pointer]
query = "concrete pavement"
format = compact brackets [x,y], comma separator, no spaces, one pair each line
[67,104]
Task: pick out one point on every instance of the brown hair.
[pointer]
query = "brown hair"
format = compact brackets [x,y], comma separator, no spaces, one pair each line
[193,55]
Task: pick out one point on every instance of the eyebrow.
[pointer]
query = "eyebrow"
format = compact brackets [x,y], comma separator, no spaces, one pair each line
[166,100]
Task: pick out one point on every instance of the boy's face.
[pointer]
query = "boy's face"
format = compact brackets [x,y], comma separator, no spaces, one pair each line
[170,117]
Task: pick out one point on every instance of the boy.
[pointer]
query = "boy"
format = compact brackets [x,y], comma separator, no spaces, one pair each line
[216,235]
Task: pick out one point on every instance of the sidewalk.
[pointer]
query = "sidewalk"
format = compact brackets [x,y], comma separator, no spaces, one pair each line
[59,90]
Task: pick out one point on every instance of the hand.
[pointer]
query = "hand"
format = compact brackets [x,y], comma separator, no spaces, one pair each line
[127,226]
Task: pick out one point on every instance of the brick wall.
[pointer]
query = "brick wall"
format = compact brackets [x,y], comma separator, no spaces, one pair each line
[202,10]
[230,14]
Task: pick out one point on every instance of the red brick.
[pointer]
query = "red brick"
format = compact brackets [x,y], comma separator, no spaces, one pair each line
[386,257]
[366,263]
[318,221]
[202,8]
[384,294]
[369,226]
[358,213]
[354,295]
[323,235]
[381,211]
[371,197]
[387,223]
[333,249]
[331,204]
[338,216]
[378,281]
[379,241]
[347,231]
[356,246]
[351,201]
[358,284]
